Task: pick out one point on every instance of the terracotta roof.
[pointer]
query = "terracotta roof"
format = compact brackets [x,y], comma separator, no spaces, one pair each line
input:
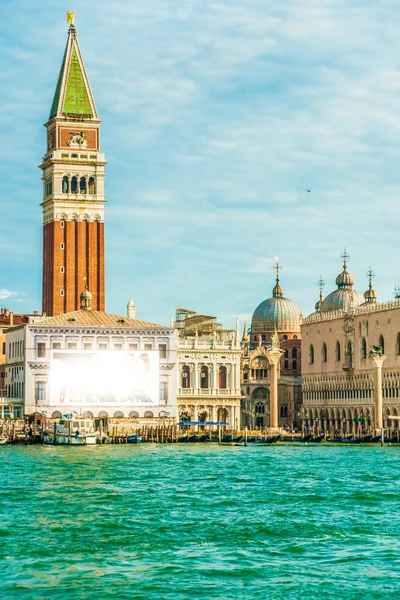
[97,319]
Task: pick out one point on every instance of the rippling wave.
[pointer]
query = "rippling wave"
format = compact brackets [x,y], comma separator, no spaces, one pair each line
[161,522]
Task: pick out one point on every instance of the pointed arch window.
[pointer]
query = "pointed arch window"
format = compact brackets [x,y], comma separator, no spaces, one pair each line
[382,343]
[363,348]
[349,353]
[294,352]
[74,185]
[82,185]
[311,354]
[324,353]
[65,184]
[398,344]
[337,351]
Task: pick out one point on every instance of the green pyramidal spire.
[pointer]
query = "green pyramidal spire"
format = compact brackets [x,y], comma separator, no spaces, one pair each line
[73,95]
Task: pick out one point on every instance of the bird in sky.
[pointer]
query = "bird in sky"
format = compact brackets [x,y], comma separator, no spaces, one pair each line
[308,190]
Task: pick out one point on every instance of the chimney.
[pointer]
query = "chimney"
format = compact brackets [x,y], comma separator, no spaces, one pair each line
[11,319]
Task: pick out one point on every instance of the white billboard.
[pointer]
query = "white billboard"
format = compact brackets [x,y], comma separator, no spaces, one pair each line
[89,379]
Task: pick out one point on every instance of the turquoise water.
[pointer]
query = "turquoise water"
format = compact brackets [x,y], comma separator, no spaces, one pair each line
[199,522]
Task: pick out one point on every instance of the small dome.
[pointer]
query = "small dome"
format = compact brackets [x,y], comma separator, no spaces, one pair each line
[345,279]
[86,294]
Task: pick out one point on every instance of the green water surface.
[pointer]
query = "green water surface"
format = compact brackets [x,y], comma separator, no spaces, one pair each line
[181,521]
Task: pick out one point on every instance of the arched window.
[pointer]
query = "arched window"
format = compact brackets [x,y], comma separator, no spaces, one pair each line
[264,338]
[337,351]
[294,352]
[185,377]
[65,184]
[284,337]
[260,408]
[311,355]
[222,378]
[286,353]
[82,185]
[74,185]
[324,353]
[204,377]
[294,364]
[260,394]
[398,344]
[148,414]
[295,337]
[92,185]
[382,343]
[286,364]
[283,411]
[349,353]
[366,327]
[363,348]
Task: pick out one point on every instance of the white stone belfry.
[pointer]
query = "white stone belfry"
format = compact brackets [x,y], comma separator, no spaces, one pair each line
[131,309]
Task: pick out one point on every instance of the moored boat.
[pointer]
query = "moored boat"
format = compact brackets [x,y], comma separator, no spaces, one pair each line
[3,440]
[133,438]
[71,432]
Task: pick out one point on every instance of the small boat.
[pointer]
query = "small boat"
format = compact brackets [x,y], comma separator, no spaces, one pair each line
[71,432]
[182,439]
[133,438]
[269,440]
[3,440]
[318,438]
[227,438]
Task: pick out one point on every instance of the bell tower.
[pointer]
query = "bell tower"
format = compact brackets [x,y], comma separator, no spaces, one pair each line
[73,191]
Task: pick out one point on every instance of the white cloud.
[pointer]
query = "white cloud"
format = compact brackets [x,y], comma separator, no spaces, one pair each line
[4,294]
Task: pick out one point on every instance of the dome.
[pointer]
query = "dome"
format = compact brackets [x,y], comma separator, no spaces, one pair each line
[282,313]
[279,312]
[344,297]
[86,294]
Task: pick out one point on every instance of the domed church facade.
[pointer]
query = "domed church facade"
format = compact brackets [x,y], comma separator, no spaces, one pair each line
[280,316]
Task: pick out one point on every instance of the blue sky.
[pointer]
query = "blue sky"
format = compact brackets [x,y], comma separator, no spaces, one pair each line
[217,115]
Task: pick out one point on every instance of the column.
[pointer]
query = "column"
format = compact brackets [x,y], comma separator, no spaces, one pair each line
[274,358]
[378,402]
[196,379]
[214,377]
[195,416]
[212,415]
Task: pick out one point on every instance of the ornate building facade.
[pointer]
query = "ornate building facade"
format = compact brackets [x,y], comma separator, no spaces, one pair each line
[208,360]
[73,191]
[32,351]
[338,377]
[282,315]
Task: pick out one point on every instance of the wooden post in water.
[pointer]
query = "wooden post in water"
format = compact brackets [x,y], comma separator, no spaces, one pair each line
[245,436]
[54,433]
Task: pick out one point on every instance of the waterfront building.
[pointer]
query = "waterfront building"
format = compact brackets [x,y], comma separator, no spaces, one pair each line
[281,315]
[39,354]
[73,191]
[10,376]
[338,376]
[208,360]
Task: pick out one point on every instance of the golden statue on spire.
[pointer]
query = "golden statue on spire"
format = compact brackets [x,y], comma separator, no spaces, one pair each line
[70,17]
